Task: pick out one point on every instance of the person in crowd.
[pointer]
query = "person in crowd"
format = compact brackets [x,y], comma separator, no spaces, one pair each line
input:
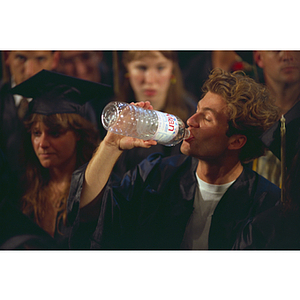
[153,76]
[202,199]
[281,71]
[17,230]
[57,141]
[278,228]
[87,65]
[92,66]
[19,66]
[196,66]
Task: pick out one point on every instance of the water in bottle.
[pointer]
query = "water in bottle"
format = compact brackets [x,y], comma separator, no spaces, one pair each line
[134,121]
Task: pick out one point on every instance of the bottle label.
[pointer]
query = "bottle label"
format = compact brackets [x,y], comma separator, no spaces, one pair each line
[167,127]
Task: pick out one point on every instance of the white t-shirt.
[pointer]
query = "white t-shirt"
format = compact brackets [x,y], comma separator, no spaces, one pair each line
[207,197]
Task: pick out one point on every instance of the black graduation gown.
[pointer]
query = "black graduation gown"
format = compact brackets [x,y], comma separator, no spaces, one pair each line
[19,232]
[150,207]
[277,228]
[11,130]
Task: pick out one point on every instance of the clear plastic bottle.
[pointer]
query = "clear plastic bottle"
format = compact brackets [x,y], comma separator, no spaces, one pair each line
[134,121]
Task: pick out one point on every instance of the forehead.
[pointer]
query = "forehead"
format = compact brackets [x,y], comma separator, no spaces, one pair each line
[31,54]
[279,53]
[149,55]
[75,54]
[213,102]
[52,121]
[39,125]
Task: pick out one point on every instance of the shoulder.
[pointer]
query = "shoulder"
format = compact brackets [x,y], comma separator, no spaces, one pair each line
[5,96]
[157,167]
[265,193]
[174,161]
[278,228]
[4,86]
[259,181]
[77,182]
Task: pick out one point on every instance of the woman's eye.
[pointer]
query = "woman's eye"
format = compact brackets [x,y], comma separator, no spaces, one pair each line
[56,134]
[160,68]
[141,68]
[35,132]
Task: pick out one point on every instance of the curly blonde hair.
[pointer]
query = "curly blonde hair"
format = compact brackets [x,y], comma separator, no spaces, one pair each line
[250,106]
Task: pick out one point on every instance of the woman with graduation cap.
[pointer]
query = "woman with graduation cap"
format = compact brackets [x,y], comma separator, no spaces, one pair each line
[58,141]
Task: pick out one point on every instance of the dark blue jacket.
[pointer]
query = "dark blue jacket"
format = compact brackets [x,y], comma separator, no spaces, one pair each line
[150,207]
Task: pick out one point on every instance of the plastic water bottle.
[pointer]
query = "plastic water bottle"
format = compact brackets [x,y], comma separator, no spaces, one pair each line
[146,124]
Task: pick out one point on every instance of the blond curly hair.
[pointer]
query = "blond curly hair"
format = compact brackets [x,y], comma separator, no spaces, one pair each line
[250,106]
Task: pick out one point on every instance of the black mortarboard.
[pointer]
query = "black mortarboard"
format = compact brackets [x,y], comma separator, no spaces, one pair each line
[53,92]
[272,138]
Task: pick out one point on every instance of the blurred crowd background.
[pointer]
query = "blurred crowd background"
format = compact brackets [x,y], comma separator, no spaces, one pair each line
[106,66]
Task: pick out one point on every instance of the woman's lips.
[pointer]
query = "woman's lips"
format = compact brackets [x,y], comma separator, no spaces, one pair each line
[150,92]
[45,154]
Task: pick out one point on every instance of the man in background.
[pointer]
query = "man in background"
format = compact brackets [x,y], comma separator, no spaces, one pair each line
[281,72]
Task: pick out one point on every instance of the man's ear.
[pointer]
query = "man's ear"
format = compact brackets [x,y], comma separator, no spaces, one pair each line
[258,58]
[237,141]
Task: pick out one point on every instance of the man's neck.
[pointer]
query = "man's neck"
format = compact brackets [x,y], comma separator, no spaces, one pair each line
[219,174]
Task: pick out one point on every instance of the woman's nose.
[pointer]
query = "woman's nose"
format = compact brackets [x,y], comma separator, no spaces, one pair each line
[44,142]
[149,76]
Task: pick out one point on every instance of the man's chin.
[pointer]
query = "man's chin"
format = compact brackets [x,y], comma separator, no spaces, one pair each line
[185,148]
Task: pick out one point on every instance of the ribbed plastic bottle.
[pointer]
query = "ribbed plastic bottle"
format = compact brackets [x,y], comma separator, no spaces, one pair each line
[134,121]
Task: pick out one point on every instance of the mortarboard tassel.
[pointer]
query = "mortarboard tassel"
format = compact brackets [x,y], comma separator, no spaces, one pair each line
[283,164]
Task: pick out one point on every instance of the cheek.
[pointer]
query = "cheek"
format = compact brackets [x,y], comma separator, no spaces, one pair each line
[215,134]
[135,80]
[35,142]
[69,68]
[46,64]
[165,78]
[67,145]
[164,83]
[16,70]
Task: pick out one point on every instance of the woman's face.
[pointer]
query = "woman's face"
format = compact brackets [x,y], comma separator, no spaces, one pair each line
[150,77]
[54,149]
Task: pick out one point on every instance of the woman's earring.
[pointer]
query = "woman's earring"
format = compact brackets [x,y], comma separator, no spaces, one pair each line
[173,79]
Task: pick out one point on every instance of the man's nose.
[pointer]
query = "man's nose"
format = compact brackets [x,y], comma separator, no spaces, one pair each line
[31,68]
[192,121]
[81,68]
[287,55]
